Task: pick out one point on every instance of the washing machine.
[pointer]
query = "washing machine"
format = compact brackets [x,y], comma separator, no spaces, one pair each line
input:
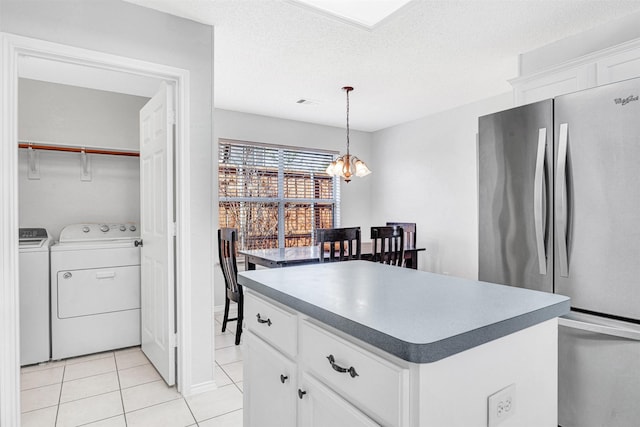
[95,289]
[33,248]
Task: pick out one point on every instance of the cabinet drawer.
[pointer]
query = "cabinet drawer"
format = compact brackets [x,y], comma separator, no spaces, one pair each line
[377,386]
[272,323]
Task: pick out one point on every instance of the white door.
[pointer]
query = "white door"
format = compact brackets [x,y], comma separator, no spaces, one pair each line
[157,225]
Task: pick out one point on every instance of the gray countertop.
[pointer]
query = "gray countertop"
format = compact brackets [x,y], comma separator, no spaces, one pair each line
[418,316]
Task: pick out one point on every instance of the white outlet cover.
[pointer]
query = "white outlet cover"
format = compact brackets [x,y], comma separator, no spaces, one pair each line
[501,405]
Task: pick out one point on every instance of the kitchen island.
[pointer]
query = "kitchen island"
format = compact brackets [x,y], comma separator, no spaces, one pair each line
[364,344]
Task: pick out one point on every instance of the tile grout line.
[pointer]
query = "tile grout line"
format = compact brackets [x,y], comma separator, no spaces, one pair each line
[89,397]
[124,413]
[191,411]
[96,421]
[222,415]
[55,422]
[120,390]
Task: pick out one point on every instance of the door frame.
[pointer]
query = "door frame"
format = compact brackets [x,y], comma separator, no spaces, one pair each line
[12,48]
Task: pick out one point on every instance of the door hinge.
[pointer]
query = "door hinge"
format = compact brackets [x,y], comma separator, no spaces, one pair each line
[171,116]
[174,228]
[173,340]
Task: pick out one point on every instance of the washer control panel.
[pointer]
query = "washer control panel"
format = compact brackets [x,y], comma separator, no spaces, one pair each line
[32,237]
[26,234]
[99,231]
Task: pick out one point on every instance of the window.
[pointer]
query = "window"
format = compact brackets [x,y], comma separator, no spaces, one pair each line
[275,196]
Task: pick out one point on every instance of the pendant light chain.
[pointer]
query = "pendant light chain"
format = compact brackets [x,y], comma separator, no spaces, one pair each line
[347,89]
[347,166]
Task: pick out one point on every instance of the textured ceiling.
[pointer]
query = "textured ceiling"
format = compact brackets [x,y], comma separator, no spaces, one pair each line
[429,56]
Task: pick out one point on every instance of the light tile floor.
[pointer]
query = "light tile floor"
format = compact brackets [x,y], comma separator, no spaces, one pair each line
[122,389]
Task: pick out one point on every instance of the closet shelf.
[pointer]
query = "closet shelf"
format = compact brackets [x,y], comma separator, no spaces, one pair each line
[75,149]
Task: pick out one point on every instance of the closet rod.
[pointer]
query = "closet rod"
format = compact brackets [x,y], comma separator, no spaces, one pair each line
[77,149]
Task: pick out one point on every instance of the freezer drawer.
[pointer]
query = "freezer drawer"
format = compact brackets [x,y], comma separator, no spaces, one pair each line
[598,372]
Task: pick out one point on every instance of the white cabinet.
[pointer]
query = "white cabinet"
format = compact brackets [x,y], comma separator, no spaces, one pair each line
[331,379]
[293,374]
[273,385]
[550,84]
[620,66]
[610,65]
[374,384]
[275,325]
[321,407]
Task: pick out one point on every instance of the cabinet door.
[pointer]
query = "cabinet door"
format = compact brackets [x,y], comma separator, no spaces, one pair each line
[550,84]
[621,66]
[269,386]
[321,407]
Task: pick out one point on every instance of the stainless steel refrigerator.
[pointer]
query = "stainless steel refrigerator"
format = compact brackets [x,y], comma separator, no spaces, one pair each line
[559,211]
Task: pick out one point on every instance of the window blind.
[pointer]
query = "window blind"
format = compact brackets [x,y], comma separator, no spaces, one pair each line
[276,196]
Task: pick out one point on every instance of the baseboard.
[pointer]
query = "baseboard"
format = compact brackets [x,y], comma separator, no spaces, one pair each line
[203,387]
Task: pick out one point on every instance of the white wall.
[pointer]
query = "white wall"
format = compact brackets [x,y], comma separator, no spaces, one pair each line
[71,115]
[355,196]
[60,198]
[77,116]
[124,29]
[425,172]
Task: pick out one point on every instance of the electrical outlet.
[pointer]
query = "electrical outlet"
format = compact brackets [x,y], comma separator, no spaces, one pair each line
[502,405]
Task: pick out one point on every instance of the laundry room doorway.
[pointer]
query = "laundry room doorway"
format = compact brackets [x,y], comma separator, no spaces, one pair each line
[163,196]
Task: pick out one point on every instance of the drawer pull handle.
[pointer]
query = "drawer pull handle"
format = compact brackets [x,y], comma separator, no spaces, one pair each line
[283,378]
[301,393]
[261,320]
[338,368]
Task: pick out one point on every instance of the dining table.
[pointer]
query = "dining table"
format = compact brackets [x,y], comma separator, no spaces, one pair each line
[299,255]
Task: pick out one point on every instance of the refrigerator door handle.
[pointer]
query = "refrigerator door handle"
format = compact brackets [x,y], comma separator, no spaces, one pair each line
[561,201]
[538,206]
[600,329]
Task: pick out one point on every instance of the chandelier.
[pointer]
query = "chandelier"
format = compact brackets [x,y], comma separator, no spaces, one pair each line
[347,165]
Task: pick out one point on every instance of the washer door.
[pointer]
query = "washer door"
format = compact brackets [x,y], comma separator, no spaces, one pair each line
[96,291]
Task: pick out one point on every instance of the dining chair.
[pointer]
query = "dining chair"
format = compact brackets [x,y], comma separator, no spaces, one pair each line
[342,244]
[227,242]
[387,245]
[410,235]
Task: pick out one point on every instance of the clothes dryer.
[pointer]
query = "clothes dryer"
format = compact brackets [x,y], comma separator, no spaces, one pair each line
[33,248]
[95,289]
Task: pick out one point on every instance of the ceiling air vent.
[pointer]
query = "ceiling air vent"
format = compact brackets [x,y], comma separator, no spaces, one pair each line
[303,101]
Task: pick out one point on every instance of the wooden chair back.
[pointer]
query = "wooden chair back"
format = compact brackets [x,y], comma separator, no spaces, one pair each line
[340,244]
[410,236]
[388,245]
[227,242]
